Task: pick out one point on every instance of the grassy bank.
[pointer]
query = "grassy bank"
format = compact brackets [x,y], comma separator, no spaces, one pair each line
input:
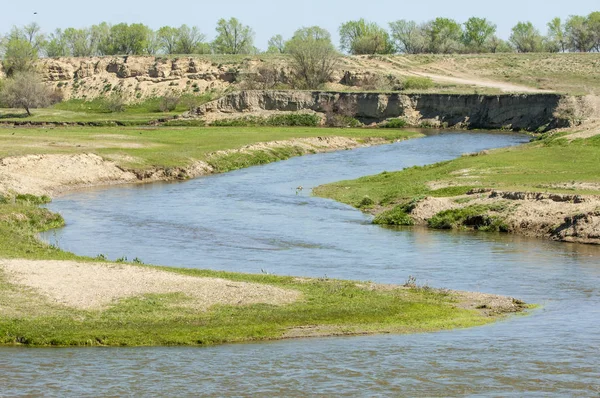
[143,148]
[553,164]
[326,307]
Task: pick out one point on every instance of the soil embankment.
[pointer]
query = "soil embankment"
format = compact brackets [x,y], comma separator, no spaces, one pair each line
[560,217]
[531,112]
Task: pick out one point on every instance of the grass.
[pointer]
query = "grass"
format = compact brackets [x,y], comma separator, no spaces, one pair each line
[328,306]
[151,147]
[552,164]
[96,112]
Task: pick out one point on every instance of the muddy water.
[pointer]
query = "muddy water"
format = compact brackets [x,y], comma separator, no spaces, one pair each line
[254,219]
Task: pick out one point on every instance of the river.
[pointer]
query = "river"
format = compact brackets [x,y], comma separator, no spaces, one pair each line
[255,220]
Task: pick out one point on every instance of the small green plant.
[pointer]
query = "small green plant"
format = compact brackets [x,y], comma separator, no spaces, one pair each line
[101,257]
[396,123]
[365,202]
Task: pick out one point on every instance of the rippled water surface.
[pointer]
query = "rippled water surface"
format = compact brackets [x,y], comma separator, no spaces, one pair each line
[253,219]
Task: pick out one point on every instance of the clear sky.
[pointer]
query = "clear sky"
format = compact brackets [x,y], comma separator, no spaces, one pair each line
[270,17]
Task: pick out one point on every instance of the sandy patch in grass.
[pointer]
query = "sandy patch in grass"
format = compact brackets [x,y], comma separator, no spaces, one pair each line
[92,286]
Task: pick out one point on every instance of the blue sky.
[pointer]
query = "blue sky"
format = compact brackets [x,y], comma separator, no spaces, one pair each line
[269,17]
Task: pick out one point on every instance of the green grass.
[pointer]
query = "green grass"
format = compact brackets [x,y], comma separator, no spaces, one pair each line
[552,164]
[149,147]
[330,306]
[95,112]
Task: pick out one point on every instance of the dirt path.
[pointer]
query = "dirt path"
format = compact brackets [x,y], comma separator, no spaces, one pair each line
[442,76]
[92,286]
[473,81]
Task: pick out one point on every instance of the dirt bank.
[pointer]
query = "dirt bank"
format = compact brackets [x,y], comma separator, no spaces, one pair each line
[532,112]
[53,174]
[567,218]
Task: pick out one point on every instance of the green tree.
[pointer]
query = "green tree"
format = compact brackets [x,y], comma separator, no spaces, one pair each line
[101,38]
[25,90]
[21,49]
[526,38]
[314,57]
[477,33]
[408,36]
[189,40]
[57,45]
[444,36]
[276,45]
[578,35]
[557,34]
[363,37]
[168,37]
[233,38]
[79,42]
[593,24]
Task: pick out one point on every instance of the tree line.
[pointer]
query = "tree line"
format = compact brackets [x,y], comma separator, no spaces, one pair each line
[437,36]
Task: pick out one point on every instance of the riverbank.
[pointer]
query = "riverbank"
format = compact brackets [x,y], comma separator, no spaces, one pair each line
[49,297]
[549,188]
[53,161]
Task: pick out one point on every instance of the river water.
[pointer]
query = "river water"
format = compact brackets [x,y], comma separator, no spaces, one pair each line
[255,220]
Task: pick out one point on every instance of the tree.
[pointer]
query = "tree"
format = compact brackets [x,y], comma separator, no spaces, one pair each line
[362,37]
[21,48]
[57,45]
[557,34]
[444,36]
[408,36]
[314,57]
[526,38]
[168,37]
[189,40]
[478,32]
[579,37]
[79,42]
[25,90]
[100,36]
[276,45]
[497,45]
[593,25]
[233,38]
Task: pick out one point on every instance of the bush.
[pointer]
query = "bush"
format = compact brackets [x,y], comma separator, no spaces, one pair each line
[168,103]
[474,216]
[418,83]
[394,124]
[395,216]
[366,201]
[294,119]
[115,103]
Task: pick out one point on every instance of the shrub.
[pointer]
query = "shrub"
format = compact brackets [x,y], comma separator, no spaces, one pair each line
[168,103]
[366,201]
[293,119]
[395,216]
[474,216]
[115,103]
[394,124]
